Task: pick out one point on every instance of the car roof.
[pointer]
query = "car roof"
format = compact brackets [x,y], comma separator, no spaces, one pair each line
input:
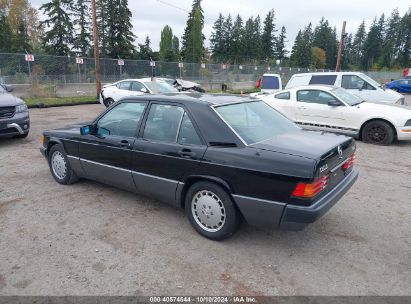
[324,87]
[326,73]
[205,99]
[147,79]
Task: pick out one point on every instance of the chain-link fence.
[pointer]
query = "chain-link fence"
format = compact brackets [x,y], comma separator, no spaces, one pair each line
[64,76]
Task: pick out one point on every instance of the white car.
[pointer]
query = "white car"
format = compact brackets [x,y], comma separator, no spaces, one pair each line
[112,93]
[356,83]
[269,83]
[333,109]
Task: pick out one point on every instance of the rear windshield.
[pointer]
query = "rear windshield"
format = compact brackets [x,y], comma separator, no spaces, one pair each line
[162,87]
[270,82]
[323,79]
[255,121]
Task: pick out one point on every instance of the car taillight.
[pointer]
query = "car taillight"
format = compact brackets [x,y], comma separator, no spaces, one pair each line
[348,164]
[303,190]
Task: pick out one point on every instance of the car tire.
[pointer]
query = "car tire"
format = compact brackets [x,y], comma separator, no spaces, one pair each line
[60,167]
[108,102]
[211,211]
[378,132]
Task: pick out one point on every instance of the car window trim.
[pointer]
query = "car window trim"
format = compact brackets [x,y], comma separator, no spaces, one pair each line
[95,122]
[144,121]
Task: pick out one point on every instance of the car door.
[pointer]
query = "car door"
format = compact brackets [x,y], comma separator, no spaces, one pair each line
[168,148]
[359,87]
[137,88]
[122,90]
[313,111]
[106,155]
[283,103]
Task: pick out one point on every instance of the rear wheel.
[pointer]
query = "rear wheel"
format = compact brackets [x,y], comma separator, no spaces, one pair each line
[60,167]
[108,102]
[211,211]
[378,132]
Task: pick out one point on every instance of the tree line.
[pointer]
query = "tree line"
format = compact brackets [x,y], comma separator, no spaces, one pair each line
[67,31]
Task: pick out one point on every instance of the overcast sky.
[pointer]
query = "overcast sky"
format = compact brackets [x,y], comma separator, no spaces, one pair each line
[150,16]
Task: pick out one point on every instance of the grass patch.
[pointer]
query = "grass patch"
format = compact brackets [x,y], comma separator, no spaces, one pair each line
[52,101]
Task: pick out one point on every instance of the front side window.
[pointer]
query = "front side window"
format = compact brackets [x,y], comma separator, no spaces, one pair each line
[162,87]
[315,96]
[163,123]
[255,121]
[137,86]
[323,79]
[124,85]
[285,95]
[122,120]
[353,82]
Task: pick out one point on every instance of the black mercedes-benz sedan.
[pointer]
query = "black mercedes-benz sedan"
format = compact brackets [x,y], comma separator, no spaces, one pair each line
[223,158]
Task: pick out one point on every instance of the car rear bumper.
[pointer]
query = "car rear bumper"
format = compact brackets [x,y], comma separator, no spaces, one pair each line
[297,217]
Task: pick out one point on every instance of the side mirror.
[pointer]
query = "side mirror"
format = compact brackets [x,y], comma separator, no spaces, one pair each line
[9,88]
[334,103]
[87,130]
[144,90]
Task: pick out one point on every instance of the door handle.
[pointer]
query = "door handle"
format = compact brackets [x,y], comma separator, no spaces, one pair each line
[186,153]
[125,144]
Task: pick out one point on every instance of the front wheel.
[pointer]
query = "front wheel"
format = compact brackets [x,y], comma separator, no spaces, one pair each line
[108,102]
[378,132]
[211,211]
[60,167]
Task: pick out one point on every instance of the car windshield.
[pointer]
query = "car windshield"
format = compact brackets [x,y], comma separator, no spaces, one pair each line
[371,81]
[255,121]
[346,96]
[162,87]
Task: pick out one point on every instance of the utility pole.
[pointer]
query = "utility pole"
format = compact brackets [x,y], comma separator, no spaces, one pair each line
[96,48]
[340,48]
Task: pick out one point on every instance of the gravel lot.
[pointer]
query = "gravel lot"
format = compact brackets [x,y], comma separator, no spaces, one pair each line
[92,239]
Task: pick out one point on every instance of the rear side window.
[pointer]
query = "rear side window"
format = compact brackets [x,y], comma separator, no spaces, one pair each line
[323,79]
[125,85]
[163,122]
[285,95]
[270,82]
[188,134]
[314,96]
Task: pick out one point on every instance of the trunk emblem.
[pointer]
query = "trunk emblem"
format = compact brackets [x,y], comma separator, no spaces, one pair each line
[340,152]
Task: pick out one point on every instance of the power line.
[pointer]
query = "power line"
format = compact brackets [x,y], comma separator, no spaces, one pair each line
[181,9]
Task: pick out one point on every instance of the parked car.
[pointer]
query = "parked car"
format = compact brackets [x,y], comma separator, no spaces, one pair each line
[222,158]
[356,83]
[269,83]
[183,85]
[333,109]
[14,115]
[401,85]
[111,93]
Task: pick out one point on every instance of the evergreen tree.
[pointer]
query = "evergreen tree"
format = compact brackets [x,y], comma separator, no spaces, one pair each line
[227,34]
[167,48]
[82,37]
[217,39]
[58,37]
[188,35]
[145,49]
[5,34]
[101,8]
[119,37]
[325,38]
[391,44]
[268,38]
[237,41]
[176,47]
[194,42]
[20,40]
[357,49]
[404,56]
[301,52]
[280,50]
[346,55]
[373,44]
